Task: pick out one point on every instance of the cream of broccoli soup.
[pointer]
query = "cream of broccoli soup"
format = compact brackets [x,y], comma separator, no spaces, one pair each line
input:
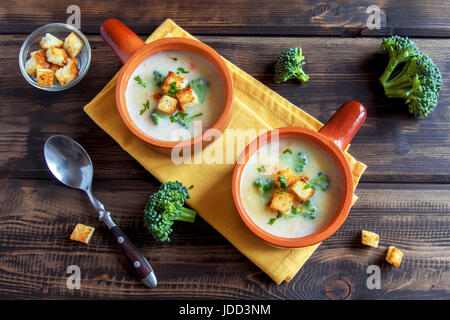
[290,188]
[170,91]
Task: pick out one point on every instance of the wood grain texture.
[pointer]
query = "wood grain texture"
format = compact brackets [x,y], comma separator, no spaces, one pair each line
[37,216]
[395,146]
[244,17]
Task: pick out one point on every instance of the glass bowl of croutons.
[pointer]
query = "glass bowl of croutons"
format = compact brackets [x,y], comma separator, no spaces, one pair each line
[55,57]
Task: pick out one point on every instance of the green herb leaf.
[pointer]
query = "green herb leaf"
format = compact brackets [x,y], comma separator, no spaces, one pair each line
[283,182]
[173,90]
[289,151]
[183,118]
[173,58]
[181,70]
[261,169]
[146,106]
[140,82]
[155,117]
[307,186]
[300,162]
[200,87]
[307,210]
[158,77]
[271,221]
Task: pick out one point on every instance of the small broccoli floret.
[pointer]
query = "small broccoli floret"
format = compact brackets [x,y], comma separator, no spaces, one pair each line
[411,75]
[289,66]
[165,207]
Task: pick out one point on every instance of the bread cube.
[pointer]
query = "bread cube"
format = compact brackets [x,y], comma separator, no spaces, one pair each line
[50,41]
[45,77]
[56,56]
[291,177]
[369,238]
[299,190]
[173,77]
[54,68]
[394,256]
[67,73]
[73,44]
[281,201]
[37,61]
[186,97]
[82,233]
[167,104]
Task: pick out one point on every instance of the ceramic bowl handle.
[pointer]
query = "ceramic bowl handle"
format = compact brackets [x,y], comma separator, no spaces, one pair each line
[345,123]
[120,38]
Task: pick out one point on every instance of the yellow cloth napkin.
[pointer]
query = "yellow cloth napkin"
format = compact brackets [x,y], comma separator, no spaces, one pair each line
[255,107]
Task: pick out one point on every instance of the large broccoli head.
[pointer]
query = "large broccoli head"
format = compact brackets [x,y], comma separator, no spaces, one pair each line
[411,75]
[165,207]
[289,66]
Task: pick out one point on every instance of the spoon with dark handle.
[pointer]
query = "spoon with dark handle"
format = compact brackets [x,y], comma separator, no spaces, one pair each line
[71,165]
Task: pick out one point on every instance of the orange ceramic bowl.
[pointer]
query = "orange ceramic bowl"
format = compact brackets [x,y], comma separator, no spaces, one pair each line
[133,51]
[333,138]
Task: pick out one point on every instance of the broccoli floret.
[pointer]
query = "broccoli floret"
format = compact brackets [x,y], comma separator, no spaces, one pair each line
[289,66]
[165,207]
[411,75]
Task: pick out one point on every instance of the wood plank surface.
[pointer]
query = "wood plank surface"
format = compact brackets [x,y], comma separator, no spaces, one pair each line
[241,17]
[395,146]
[403,195]
[37,216]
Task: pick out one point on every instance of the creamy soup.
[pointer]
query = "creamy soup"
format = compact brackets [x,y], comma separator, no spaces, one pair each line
[290,188]
[144,92]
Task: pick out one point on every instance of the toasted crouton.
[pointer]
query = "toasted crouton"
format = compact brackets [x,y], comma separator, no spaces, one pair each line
[54,68]
[299,189]
[56,56]
[45,77]
[173,77]
[186,97]
[167,104]
[37,61]
[67,73]
[50,41]
[394,256]
[281,201]
[369,238]
[82,233]
[73,44]
[291,177]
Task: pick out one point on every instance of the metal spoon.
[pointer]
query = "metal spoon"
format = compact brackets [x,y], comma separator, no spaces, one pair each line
[71,165]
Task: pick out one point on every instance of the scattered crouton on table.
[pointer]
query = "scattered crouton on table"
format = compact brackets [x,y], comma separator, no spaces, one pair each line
[394,256]
[369,238]
[82,233]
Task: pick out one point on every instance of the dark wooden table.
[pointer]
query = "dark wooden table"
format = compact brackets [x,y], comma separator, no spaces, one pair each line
[404,195]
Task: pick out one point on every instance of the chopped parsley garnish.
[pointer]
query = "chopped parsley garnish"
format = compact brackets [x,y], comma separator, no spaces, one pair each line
[181,70]
[300,162]
[145,108]
[140,82]
[158,77]
[173,58]
[183,118]
[271,221]
[173,90]
[190,187]
[155,117]
[283,182]
[199,86]
[321,181]
[287,151]
[307,210]
[261,169]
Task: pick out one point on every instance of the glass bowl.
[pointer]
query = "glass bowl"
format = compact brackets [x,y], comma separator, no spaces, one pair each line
[61,31]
